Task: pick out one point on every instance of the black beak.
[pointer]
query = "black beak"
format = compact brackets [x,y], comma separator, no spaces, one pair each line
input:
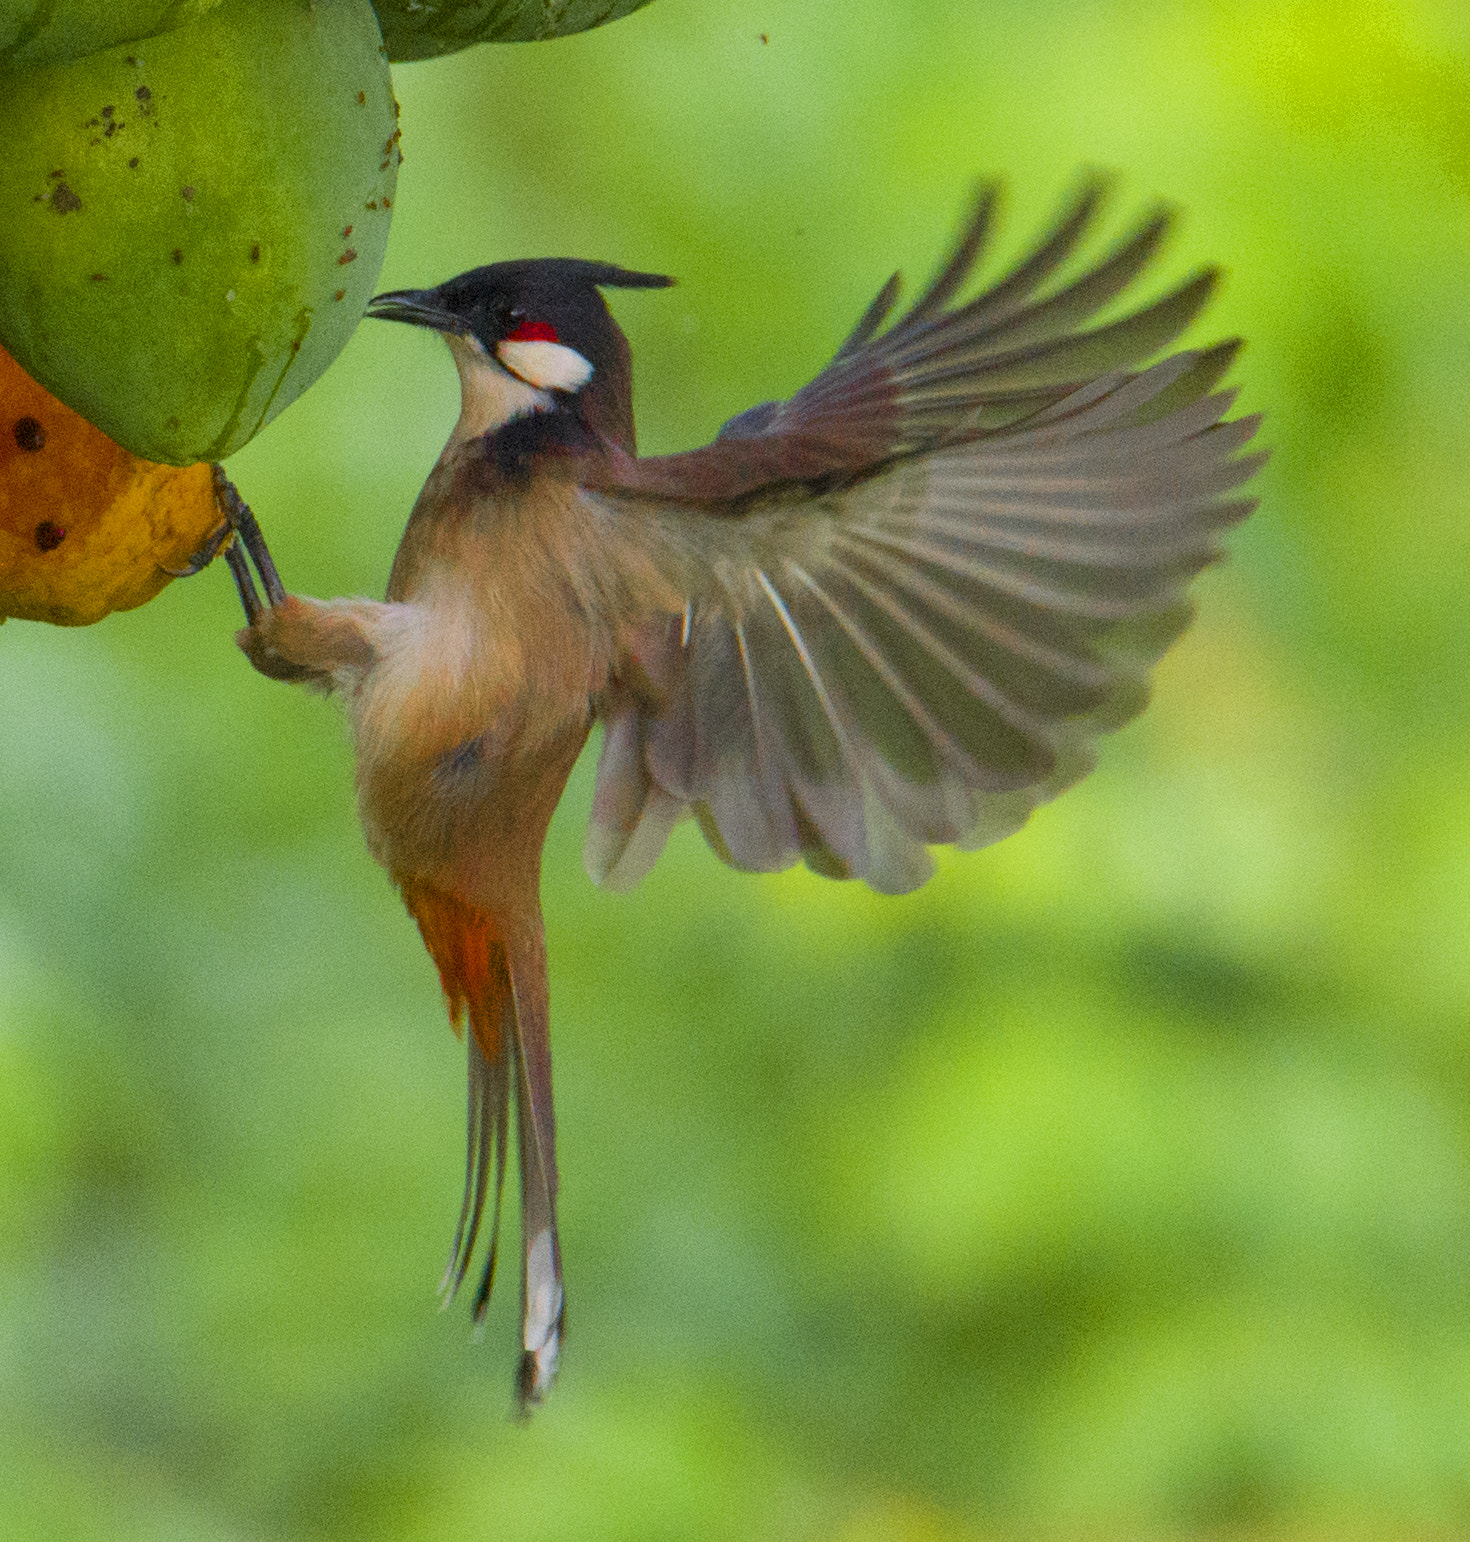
[418,307]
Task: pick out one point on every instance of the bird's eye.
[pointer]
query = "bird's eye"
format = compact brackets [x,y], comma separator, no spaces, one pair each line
[531,331]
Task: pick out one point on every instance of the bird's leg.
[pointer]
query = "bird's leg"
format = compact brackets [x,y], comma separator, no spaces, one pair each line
[244,581]
[246,530]
[241,538]
[289,636]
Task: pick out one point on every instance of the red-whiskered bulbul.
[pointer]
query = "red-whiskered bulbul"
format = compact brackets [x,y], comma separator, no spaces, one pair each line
[889,613]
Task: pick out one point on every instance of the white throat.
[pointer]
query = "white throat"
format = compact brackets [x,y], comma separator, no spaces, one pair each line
[515,381]
[489,395]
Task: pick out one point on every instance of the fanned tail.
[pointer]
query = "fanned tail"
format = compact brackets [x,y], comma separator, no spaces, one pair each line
[493,969]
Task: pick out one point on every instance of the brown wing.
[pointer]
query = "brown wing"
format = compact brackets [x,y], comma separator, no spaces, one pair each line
[915,645]
[937,372]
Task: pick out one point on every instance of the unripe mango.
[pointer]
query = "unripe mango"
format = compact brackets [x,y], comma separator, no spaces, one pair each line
[46,31]
[190,226]
[420,29]
[85,527]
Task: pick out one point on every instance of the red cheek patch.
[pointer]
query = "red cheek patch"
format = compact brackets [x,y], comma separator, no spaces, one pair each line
[533,332]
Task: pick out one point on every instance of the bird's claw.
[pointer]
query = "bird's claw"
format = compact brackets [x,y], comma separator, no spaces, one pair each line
[238,527]
[198,560]
[243,525]
[242,542]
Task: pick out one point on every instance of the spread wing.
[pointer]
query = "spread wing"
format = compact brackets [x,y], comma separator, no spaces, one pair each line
[917,591]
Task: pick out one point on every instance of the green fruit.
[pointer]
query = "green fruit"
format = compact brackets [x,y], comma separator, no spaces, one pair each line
[48,31]
[190,226]
[420,29]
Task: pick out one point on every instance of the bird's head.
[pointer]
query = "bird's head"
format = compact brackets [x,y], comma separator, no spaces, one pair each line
[531,336]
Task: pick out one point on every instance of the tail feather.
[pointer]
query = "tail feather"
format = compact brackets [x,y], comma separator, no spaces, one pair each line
[489,1106]
[495,973]
[543,1303]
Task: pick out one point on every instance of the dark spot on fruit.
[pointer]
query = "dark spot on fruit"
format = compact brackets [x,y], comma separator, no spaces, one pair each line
[255,252]
[131,62]
[296,341]
[56,176]
[187,194]
[93,123]
[98,278]
[49,535]
[340,294]
[63,200]
[765,38]
[362,98]
[177,254]
[350,255]
[383,165]
[110,130]
[346,231]
[387,203]
[143,94]
[30,434]
[372,203]
[107,112]
[133,164]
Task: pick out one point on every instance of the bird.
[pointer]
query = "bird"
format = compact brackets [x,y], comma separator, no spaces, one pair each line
[889,613]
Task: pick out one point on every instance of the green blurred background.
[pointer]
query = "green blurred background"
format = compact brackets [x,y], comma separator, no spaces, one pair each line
[1115,1184]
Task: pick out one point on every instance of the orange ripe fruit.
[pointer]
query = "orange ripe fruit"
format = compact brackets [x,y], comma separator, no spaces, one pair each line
[86,528]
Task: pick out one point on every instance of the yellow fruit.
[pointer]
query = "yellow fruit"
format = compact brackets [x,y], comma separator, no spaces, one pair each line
[85,527]
[46,31]
[419,29]
[190,226]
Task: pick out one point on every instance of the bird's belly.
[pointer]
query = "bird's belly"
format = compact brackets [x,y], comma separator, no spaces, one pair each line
[465,737]
[470,821]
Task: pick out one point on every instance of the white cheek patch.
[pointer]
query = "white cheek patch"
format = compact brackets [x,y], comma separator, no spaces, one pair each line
[547,366]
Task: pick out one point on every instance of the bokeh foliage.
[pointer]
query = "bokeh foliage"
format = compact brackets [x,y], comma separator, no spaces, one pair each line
[1117,1183]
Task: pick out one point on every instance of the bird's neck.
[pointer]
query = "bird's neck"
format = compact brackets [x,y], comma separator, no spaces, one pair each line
[490,397]
[509,432]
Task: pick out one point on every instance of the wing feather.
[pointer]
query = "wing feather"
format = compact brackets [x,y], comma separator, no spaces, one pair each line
[920,589]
